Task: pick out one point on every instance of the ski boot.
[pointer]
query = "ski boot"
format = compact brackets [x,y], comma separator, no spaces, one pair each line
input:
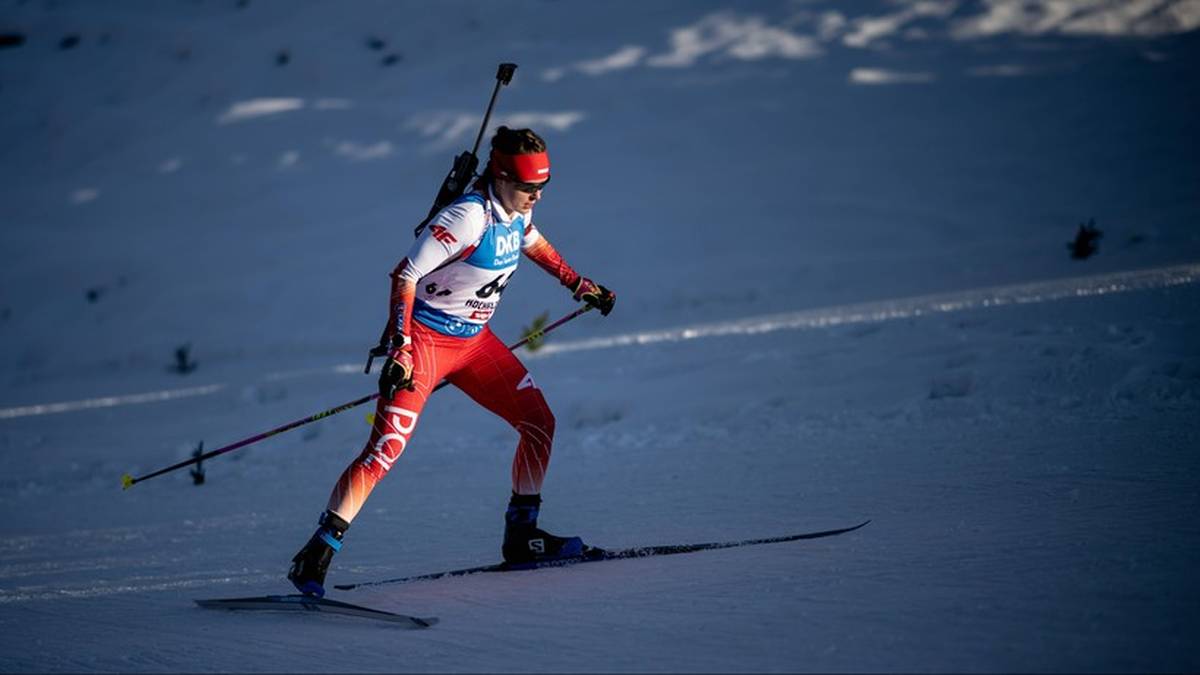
[525,544]
[310,564]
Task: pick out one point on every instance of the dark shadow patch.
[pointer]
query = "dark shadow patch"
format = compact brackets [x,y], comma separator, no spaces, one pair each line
[183,360]
[1086,242]
[8,40]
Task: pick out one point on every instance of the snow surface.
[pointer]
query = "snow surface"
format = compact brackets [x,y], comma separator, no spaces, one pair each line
[838,234]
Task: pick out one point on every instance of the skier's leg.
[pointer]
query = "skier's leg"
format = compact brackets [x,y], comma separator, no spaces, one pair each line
[494,377]
[395,420]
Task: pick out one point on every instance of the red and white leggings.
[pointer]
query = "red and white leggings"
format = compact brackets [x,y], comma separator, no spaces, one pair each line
[484,368]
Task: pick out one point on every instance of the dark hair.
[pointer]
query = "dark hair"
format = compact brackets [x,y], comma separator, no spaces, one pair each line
[517,141]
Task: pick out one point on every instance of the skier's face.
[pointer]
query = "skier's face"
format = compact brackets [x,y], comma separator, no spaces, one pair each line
[518,196]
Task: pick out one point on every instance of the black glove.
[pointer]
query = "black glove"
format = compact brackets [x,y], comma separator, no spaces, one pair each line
[397,371]
[593,294]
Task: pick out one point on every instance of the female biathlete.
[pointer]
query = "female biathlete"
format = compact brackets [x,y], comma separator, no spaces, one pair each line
[443,294]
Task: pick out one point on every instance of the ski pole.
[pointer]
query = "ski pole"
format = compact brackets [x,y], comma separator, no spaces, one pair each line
[537,335]
[128,481]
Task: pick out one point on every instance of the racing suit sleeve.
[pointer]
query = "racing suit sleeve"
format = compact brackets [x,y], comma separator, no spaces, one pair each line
[538,249]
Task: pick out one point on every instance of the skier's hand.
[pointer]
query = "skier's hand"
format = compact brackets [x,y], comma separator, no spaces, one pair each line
[397,372]
[594,294]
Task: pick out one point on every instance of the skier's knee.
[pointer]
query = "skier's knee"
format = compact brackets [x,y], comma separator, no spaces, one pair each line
[540,418]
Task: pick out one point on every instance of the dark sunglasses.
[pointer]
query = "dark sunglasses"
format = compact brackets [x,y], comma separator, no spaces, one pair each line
[531,187]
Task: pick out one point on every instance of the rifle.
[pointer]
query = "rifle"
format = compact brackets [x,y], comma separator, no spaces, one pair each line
[462,172]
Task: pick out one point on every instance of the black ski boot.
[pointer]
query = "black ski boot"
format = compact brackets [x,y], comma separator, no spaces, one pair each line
[525,544]
[311,563]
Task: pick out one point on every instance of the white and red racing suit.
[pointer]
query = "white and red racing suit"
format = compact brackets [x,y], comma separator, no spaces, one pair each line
[443,293]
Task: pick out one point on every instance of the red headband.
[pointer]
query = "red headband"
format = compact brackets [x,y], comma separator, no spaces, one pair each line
[526,168]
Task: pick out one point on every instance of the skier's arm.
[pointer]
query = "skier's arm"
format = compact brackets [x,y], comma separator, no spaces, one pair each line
[539,250]
[400,302]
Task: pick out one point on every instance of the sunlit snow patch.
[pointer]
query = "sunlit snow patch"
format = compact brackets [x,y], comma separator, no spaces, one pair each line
[288,159]
[332,104]
[84,195]
[1112,18]
[881,76]
[259,107]
[622,59]
[449,128]
[560,121]
[746,38]
[625,57]
[870,29]
[361,152]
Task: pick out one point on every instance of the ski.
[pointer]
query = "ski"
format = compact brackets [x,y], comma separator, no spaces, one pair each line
[598,554]
[312,604]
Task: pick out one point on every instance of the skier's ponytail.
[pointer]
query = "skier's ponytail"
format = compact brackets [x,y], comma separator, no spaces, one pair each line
[517,141]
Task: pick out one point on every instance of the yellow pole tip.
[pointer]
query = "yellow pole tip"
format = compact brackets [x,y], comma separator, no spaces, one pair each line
[126,482]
